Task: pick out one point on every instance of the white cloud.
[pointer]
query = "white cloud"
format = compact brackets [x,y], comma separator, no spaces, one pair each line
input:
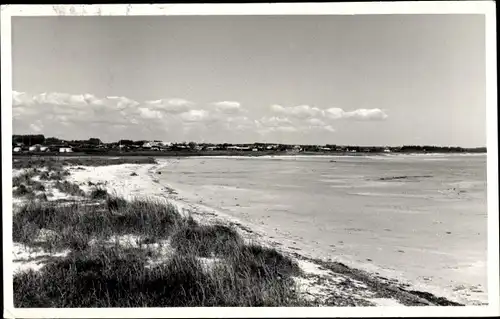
[274,121]
[305,112]
[359,114]
[329,128]
[37,126]
[286,129]
[299,112]
[367,114]
[50,111]
[228,107]
[174,106]
[315,122]
[194,116]
[150,114]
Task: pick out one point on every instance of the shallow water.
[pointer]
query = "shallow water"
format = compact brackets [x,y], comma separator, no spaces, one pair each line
[418,218]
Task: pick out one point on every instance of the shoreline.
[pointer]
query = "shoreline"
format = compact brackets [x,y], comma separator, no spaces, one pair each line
[210,215]
[322,279]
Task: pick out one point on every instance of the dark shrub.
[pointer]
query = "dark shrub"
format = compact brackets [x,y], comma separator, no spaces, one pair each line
[206,240]
[99,193]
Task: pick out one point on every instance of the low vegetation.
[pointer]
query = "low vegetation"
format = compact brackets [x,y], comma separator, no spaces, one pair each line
[96,275]
[98,193]
[54,163]
[69,188]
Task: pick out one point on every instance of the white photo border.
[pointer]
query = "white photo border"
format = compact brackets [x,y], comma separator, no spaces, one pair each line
[486,8]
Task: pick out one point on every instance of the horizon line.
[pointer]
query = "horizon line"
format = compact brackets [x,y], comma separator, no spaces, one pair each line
[255,142]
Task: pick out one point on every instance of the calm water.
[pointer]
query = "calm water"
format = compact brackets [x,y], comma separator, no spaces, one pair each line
[427,226]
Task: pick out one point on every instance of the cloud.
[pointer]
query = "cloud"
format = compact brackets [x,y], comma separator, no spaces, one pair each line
[367,114]
[37,126]
[315,122]
[304,112]
[54,112]
[150,114]
[274,121]
[329,128]
[228,107]
[174,106]
[195,116]
[299,112]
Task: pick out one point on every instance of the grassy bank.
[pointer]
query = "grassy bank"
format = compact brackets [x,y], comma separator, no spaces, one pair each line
[141,253]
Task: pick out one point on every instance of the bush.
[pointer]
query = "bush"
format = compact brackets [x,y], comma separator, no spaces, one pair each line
[37,186]
[24,178]
[41,196]
[206,240]
[69,188]
[263,262]
[44,175]
[21,190]
[98,193]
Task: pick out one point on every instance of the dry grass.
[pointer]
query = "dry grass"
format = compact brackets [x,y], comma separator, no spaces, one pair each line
[98,276]
[69,188]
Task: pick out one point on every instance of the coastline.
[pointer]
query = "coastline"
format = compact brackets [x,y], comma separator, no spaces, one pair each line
[116,179]
[322,280]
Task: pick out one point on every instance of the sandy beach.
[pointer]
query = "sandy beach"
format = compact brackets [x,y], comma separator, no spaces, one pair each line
[379,222]
[320,281]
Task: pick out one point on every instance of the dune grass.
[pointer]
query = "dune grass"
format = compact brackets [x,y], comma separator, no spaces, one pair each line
[98,193]
[23,191]
[118,277]
[69,188]
[96,275]
[56,163]
[208,265]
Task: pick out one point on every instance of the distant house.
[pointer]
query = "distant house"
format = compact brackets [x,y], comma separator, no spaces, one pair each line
[387,150]
[255,149]
[44,149]
[17,149]
[326,149]
[34,148]
[210,148]
[65,150]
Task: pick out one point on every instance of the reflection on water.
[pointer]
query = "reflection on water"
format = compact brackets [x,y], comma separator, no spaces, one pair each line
[419,215]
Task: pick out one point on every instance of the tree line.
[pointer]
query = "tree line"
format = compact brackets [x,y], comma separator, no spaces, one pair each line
[34,139]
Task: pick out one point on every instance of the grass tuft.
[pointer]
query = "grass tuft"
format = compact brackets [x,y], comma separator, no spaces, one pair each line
[69,188]
[206,240]
[98,193]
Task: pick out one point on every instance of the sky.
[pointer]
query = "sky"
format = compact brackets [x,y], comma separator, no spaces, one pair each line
[352,79]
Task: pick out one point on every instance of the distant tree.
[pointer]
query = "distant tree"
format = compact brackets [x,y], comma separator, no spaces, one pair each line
[192,145]
[53,141]
[29,139]
[126,142]
[94,141]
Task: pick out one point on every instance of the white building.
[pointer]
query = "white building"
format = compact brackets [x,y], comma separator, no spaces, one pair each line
[16,149]
[65,150]
[44,149]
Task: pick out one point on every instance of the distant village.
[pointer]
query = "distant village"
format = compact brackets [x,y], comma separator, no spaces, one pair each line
[30,144]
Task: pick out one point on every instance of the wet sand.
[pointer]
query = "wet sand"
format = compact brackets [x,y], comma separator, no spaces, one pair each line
[418,219]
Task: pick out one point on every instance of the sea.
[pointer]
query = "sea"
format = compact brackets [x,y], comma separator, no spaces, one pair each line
[419,219]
